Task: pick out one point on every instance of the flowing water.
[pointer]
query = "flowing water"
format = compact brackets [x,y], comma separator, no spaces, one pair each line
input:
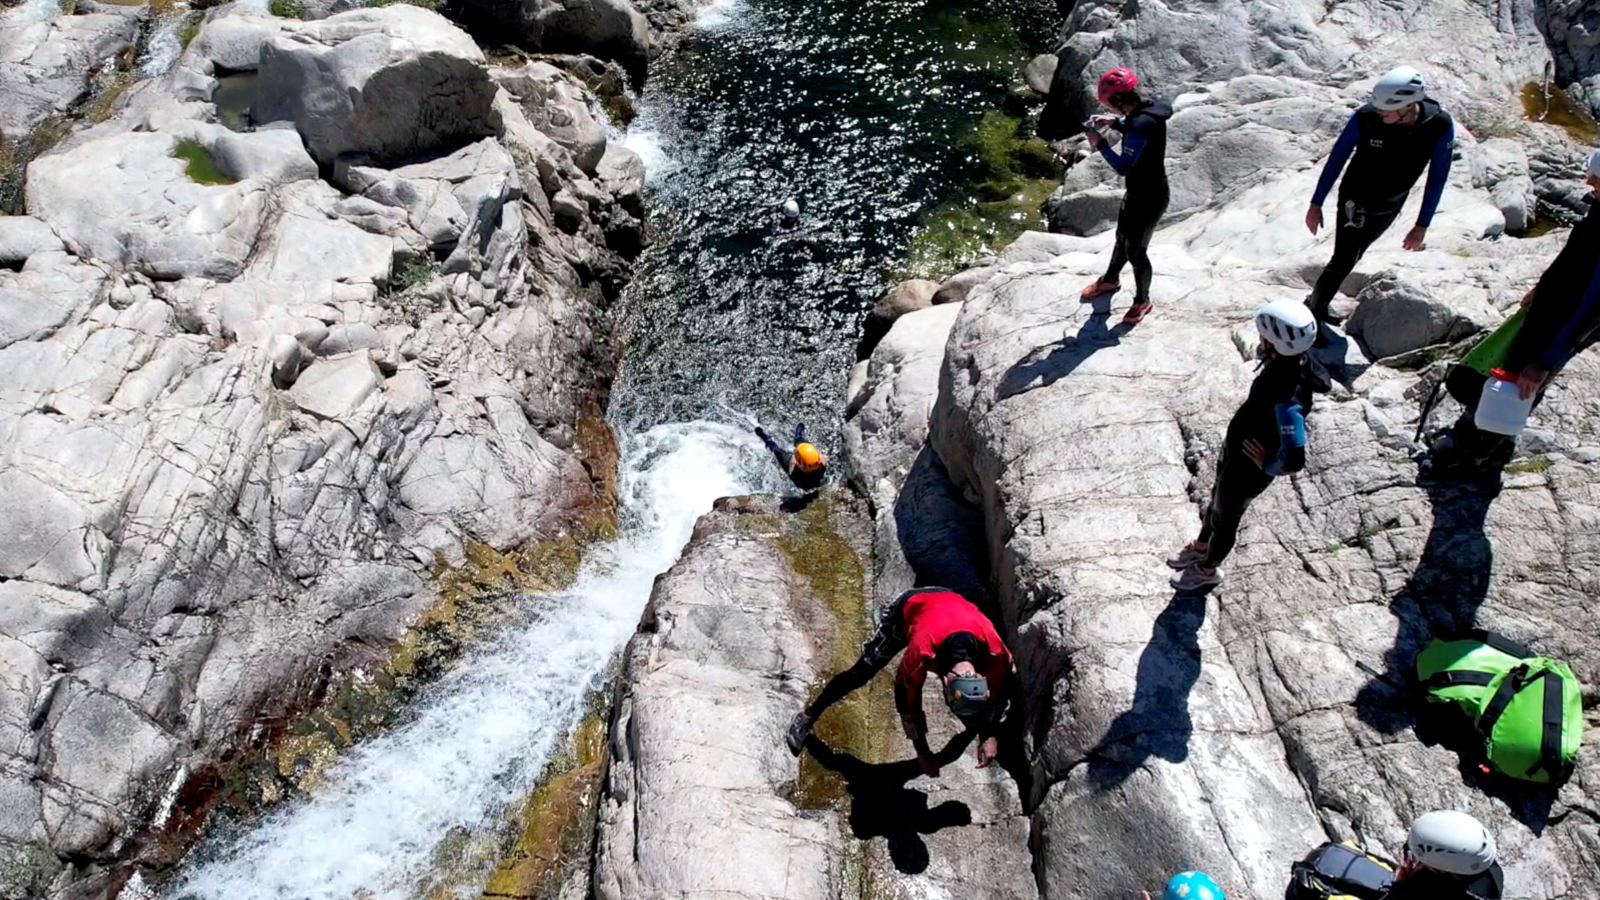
[853,107]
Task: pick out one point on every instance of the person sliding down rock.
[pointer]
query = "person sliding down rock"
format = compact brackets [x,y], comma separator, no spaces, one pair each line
[1265,438]
[1449,855]
[1563,314]
[942,632]
[1393,138]
[1143,164]
[805,465]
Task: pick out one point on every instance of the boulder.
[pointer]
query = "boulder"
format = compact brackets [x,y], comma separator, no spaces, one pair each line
[1039,72]
[46,66]
[905,297]
[1396,316]
[1501,165]
[275,157]
[390,83]
[608,29]
[23,236]
[554,103]
[334,388]
[232,35]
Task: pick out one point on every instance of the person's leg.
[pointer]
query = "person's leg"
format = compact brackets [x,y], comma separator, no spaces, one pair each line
[799,432]
[1236,488]
[888,639]
[1138,249]
[1119,251]
[1355,230]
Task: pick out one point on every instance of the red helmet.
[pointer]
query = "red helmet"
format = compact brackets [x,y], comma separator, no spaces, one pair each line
[1117,81]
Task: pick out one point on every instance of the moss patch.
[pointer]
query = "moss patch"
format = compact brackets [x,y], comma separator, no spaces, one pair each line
[861,723]
[558,818]
[1558,108]
[287,9]
[1535,465]
[1014,172]
[15,156]
[202,167]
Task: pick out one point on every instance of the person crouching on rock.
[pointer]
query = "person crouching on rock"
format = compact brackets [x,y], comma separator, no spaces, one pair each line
[1143,165]
[1265,438]
[1396,135]
[805,465]
[942,632]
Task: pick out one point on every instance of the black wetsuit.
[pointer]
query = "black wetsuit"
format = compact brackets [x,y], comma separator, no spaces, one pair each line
[1280,398]
[805,481]
[1427,885]
[1142,163]
[1388,160]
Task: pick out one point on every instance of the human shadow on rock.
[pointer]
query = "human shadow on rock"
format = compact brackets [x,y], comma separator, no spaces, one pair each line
[882,805]
[1053,362]
[1158,723]
[1441,599]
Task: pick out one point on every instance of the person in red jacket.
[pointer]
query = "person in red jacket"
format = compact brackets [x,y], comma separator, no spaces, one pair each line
[943,633]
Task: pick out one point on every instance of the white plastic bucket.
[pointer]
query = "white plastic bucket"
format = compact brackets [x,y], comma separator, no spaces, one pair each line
[1501,410]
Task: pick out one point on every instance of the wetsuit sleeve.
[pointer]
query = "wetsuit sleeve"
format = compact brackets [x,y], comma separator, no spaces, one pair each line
[1291,455]
[1582,322]
[1133,144]
[1342,148]
[1438,174]
[908,681]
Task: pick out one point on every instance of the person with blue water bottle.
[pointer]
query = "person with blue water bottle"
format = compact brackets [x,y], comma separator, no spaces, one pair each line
[1190,886]
[1266,438]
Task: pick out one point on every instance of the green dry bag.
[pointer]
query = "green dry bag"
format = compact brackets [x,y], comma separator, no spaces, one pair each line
[1528,709]
[1464,379]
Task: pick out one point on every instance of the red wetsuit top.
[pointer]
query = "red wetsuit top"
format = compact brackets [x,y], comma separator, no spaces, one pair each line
[929,619]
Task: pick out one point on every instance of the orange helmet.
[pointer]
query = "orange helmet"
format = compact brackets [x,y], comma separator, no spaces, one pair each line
[807,458]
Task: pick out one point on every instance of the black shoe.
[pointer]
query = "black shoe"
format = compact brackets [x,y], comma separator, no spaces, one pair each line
[760,433]
[799,730]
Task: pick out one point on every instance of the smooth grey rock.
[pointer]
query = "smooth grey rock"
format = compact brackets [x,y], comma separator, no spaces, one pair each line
[554,103]
[608,29]
[1504,166]
[286,357]
[333,389]
[350,338]
[905,297]
[276,157]
[23,236]
[46,67]
[1396,316]
[40,299]
[1039,72]
[390,83]
[232,35]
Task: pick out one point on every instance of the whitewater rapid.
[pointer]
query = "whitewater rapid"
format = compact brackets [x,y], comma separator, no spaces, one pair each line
[480,736]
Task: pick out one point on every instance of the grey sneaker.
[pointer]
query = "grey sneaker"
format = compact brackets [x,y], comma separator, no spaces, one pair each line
[1193,578]
[799,730]
[1185,558]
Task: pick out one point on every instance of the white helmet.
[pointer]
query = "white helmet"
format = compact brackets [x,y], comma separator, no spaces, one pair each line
[1594,164]
[1451,842]
[1288,326]
[1398,88]
[791,208]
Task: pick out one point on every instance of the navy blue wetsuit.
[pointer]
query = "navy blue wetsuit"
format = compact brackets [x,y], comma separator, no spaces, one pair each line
[1388,160]
[1142,163]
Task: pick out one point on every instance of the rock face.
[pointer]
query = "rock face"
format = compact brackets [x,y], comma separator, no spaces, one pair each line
[702,797]
[240,419]
[46,66]
[387,83]
[608,29]
[1229,733]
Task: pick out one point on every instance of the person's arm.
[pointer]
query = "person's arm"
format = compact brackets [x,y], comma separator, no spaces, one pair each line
[1438,174]
[1582,322]
[1291,456]
[1133,143]
[1342,148]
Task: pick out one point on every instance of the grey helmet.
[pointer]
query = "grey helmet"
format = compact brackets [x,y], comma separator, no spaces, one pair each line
[1593,166]
[791,208]
[1451,841]
[1398,88]
[966,695]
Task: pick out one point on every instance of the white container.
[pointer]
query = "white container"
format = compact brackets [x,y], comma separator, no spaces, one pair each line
[1501,410]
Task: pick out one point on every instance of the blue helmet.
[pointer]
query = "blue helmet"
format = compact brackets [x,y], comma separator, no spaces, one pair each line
[1193,886]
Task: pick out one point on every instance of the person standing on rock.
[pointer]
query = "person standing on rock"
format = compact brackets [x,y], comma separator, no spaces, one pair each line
[1142,163]
[1449,855]
[806,466]
[1266,438]
[1388,142]
[1563,315]
[941,632]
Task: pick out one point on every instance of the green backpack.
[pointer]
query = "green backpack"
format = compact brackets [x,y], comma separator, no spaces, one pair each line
[1528,709]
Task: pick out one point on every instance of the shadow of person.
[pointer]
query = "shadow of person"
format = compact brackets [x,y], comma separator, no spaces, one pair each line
[1158,723]
[1441,599]
[882,805]
[1053,362]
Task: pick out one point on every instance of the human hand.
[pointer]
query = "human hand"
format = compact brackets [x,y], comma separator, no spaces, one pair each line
[1528,297]
[1415,239]
[987,751]
[929,767]
[1144,895]
[1313,218]
[1094,138]
[1101,120]
[1256,453]
[1530,379]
